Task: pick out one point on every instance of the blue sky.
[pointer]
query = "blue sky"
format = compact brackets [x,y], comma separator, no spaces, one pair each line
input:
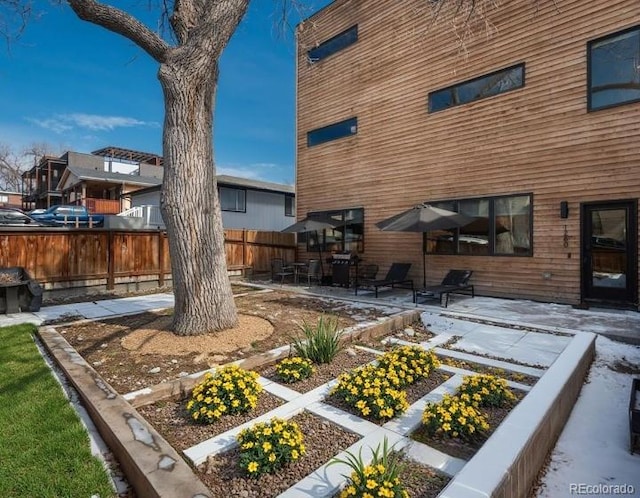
[79,87]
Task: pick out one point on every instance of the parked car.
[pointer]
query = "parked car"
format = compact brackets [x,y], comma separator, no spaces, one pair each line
[63,215]
[16,218]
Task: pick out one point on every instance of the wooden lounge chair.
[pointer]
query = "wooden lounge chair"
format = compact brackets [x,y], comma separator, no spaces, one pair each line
[455,282]
[396,276]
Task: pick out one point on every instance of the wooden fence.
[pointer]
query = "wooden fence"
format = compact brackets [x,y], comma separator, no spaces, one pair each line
[53,255]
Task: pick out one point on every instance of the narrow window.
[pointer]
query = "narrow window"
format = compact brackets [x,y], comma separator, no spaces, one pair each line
[289,205]
[614,70]
[332,132]
[489,85]
[333,45]
[233,199]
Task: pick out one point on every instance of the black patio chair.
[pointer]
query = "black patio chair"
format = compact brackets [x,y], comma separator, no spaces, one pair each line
[312,272]
[280,271]
[395,277]
[454,282]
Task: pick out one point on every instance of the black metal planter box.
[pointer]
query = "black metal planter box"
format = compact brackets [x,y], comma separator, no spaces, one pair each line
[634,416]
[18,291]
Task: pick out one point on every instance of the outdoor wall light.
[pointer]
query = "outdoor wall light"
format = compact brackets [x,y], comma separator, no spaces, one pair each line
[564,209]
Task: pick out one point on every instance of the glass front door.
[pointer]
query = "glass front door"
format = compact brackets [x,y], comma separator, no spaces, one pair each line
[609,253]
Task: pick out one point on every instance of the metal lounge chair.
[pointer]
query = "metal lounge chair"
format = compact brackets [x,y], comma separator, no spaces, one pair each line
[395,277]
[313,271]
[455,282]
[279,271]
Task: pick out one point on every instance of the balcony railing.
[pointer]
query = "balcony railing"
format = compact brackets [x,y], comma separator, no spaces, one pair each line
[103,206]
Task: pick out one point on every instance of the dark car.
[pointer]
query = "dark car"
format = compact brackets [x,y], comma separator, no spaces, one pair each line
[16,218]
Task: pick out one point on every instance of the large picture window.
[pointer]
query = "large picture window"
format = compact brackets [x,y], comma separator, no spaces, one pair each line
[348,234]
[502,226]
[489,85]
[333,45]
[233,199]
[614,69]
[332,132]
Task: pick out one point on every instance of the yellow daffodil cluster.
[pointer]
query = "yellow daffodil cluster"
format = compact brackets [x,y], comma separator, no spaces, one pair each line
[453,417]
[408,364]
[379,478]
[230,390]
[371,392]
[485,390]
[268,446]
[294,369]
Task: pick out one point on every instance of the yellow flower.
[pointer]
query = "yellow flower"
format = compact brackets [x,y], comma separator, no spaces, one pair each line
[266,446]
[272,457]
[252,467]
[371,484]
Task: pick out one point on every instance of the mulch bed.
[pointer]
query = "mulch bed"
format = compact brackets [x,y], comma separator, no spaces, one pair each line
[322,439]
[344,361]
[466,449]
[528,380]
[173,422]
[99,342]
[414,393]
[421,481]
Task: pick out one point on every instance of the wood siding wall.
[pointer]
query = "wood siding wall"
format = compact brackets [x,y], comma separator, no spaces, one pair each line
[539,139]
[53,255]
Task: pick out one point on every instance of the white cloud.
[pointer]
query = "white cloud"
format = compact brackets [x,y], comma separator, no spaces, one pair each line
[61,123]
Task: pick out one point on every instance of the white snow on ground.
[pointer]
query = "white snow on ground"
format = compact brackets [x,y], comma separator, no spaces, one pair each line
[593,449]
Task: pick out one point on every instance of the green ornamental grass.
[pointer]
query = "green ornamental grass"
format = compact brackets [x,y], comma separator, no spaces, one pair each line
[44,448]
[320,342]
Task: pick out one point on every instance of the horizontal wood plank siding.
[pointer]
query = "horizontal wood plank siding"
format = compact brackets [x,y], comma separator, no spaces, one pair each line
[539,139]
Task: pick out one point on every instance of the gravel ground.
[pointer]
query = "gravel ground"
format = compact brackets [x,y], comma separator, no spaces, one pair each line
[323,440]
[172,421]
[101,342]
[421,481]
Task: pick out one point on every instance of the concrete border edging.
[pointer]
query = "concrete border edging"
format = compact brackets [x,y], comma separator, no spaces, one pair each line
[151,465]
[508,463]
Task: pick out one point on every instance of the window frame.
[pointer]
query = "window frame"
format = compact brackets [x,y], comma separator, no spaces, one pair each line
[235,189]
[492,227]
[322,235]
[345,122]
[292,211]
[346,34]
[590,44]
[450,88]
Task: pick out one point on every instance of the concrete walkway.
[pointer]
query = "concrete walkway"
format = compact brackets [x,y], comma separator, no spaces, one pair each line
[620,325]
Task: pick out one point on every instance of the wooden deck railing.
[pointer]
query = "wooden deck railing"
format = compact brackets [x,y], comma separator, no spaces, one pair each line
[66,255]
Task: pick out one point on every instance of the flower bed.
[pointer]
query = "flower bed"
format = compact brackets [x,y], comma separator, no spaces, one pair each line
[322,439]
[345,360]
[173,421]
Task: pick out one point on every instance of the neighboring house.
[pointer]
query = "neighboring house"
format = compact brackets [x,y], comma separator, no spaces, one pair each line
[250,204]
[100,180]
[10,199]
[534,130]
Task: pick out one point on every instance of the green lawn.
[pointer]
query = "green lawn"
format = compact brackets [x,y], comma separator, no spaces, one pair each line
[44,449]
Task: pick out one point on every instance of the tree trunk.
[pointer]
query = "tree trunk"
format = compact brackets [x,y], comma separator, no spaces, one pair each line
[204,300]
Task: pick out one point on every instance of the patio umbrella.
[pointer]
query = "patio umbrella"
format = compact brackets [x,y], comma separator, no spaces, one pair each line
[424,218]
[310,225]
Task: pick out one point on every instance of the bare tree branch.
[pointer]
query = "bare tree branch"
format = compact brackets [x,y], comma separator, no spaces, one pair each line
[14,15]
[123,23]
